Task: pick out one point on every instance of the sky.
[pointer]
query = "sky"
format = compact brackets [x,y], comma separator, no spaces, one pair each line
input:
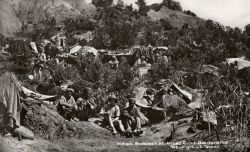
[234,13]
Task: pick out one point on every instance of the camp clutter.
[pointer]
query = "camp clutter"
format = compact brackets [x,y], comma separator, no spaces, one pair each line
[149,103]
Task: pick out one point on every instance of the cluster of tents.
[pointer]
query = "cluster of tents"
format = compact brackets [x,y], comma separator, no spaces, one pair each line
[165,100]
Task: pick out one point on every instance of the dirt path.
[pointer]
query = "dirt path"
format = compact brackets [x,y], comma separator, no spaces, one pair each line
[76,145]
[95,138]
[153,135]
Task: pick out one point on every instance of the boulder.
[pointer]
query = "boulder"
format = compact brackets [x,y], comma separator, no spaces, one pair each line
[175,107]
[24,132]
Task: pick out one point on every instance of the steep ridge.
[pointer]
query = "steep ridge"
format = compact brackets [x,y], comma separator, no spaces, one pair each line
[9,23]
[15,13]
[176,18]
[33,11]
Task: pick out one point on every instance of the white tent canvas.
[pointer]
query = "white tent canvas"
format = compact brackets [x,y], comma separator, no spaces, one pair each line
[241,62]
[37,95]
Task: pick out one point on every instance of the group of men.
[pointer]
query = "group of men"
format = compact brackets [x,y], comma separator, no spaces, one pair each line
[74,110]
[128,122]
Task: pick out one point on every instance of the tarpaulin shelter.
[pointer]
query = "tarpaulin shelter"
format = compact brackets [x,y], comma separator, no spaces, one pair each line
[83,50]
[210,69]
[36,95]
[240,62]
[19,47]
[88,49]
[135,53]
[75,49]
[10,106]
[33,46]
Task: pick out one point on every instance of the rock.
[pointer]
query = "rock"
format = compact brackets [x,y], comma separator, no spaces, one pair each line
[176,107]
[209,117]
[24,132]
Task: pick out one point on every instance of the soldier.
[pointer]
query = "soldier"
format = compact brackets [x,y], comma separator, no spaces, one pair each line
[132,117]
[113,115]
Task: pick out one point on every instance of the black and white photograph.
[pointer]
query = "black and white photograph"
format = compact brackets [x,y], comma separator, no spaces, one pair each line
[124,75]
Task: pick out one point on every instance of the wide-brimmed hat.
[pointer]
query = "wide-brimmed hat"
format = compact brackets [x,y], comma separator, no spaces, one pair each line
[70,90]
[112,97]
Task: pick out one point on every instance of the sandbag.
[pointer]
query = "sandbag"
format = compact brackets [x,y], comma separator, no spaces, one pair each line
[24,132]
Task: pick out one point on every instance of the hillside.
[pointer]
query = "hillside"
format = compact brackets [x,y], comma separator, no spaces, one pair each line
[176,18]
[30,12]
[35,11]
[9,23]
[15,13]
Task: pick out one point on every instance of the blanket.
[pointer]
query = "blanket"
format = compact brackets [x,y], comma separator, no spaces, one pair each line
[10,106]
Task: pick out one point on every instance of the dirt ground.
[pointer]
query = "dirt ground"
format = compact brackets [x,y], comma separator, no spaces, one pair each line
[78,145]
[54,134]
[99,141]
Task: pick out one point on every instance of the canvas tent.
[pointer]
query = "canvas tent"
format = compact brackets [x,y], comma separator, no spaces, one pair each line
[33,47]
[240,62]
[140,92]
[75,49]
[83,50]
[36,95]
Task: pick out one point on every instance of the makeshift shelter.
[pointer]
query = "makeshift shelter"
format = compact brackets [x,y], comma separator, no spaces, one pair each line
[10,106]
[88,49]
[139,94]
[36,95]
[75,49]
[166,84]
[33,47]
[83,50]
[210,69]
[19,47]
[240,62]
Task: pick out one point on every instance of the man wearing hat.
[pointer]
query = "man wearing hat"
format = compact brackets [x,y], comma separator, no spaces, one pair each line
[113,62]
[132,119]
[72,103]
[61,102]
[113,115]
[67,104]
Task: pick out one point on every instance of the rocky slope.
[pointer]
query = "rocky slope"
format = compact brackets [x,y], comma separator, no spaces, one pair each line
[15,13]
[9,22]
[176,18]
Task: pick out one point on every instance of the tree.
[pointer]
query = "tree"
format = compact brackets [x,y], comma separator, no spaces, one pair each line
[143,8]
[172,5]
[247,35]
[102,3]
[130,7]
[120,4]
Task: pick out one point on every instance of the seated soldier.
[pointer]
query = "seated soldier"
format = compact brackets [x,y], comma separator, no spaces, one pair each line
[61,103]
[132,117]
[67,106]
[87,105]
[113,115]
[82,114]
